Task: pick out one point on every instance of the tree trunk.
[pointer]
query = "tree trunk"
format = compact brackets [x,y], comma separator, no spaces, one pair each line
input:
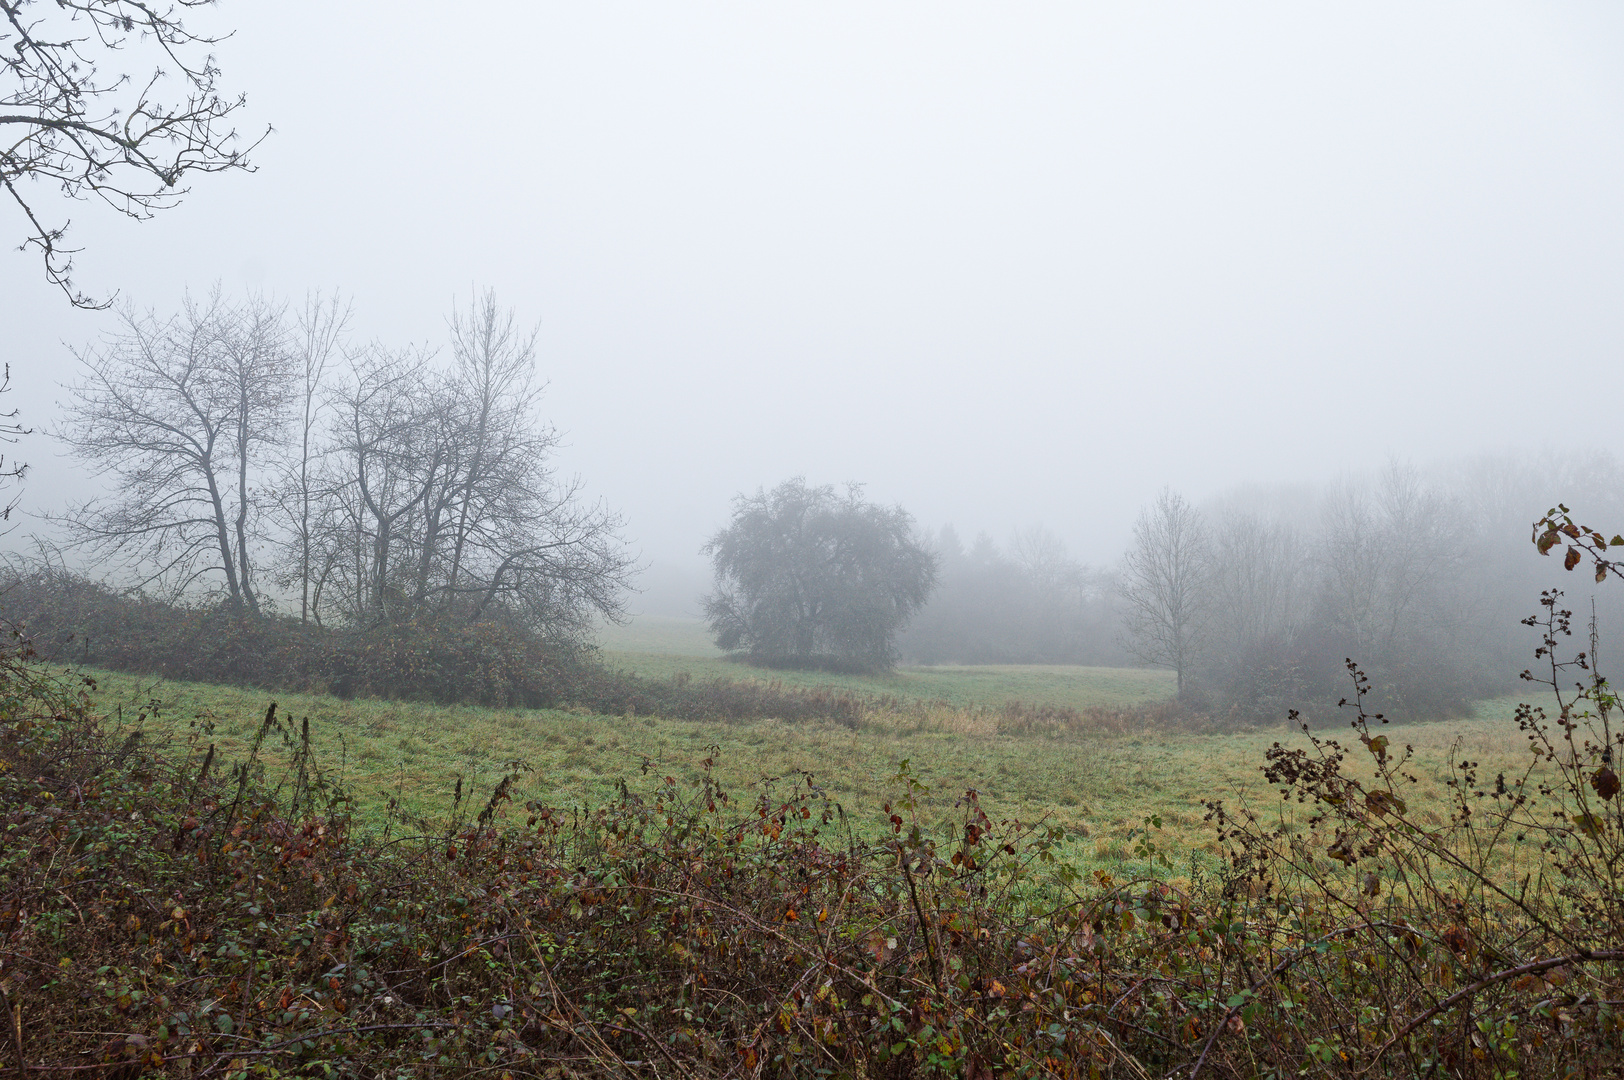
[222,533]
[242,506]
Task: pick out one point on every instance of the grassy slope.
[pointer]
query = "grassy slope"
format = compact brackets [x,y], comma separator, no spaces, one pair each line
[659,634]
[661,647]
[1100,788]
[956,685]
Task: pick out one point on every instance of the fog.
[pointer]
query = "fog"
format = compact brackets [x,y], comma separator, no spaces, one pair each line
[1004,265]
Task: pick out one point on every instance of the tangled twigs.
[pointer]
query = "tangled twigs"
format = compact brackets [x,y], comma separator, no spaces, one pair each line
[1535,968]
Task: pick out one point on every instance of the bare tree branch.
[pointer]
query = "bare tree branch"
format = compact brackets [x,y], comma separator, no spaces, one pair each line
[67,122]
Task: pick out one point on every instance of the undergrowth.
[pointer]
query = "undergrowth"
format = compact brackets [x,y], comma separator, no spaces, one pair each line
[165,912]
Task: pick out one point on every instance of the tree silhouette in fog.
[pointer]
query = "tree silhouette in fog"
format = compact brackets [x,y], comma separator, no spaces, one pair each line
[374,485]
[807,576]
[1164,585]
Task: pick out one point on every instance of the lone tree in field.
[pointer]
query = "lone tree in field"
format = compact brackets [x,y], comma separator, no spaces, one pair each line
[129,136]
[806,576]
[1164,585]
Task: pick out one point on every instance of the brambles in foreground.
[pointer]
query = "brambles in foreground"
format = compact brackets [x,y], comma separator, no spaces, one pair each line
[225,916]
[1522,883]
[228,917]
[1559,529]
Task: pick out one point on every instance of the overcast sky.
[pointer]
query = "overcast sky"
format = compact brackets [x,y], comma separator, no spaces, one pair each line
[1005,263]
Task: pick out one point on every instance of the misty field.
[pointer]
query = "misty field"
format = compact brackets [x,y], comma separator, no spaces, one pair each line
[661,647]
[962,686]
[1100,788]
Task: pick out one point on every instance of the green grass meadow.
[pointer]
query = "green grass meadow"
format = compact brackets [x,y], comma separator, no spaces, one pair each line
[663,634]
[1099,788]
[662,647]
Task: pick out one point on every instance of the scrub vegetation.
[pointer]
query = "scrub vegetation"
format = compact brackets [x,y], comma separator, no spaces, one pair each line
[212,888]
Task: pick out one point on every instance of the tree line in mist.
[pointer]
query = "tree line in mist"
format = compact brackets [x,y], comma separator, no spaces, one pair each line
[1028,602]
[259,460]
[1255,599]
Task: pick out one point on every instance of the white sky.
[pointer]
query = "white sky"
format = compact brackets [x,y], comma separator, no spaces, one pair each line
[1005,263]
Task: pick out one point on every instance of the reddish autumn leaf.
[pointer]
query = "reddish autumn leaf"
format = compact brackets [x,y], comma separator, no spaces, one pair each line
[1572,560]
[1457,939]
[1605,782]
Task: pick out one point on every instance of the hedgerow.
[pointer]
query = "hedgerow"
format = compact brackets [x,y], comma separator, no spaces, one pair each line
[68,617]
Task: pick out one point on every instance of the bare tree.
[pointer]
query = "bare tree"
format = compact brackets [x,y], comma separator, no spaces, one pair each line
[385,459]
[256,367]
[1261,587]
[494,378]
[1043,556]
[129,141]
[441,499]
[397,489]
[1258,580]
[322,322]
[1164,585]
[1388,551]
[182,415]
